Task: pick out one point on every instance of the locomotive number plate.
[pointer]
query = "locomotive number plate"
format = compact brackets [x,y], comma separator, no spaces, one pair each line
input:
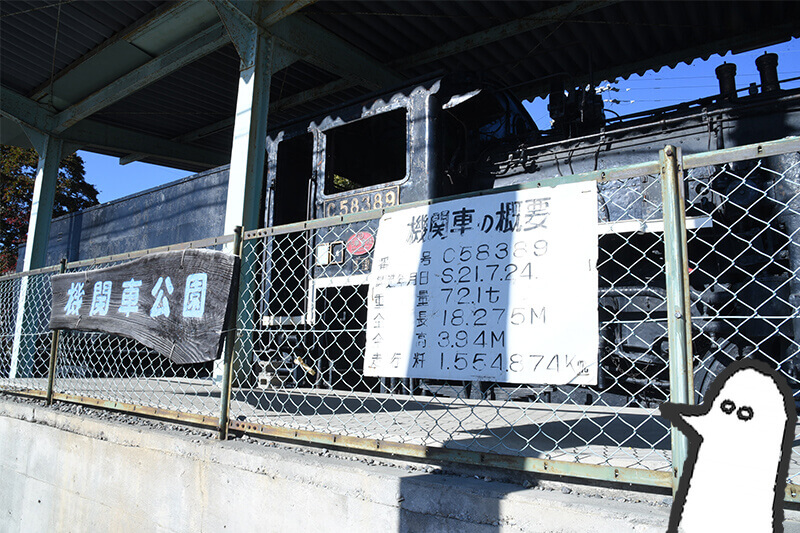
[365,201]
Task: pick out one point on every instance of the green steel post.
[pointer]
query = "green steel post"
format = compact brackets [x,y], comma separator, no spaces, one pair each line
[230,341]
[51,370]
[679,320]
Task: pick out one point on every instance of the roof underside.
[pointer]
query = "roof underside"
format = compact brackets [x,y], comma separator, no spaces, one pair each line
[57,58]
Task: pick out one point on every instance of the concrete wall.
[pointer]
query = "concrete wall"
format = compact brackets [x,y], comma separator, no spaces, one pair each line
[185,210]
[61,472]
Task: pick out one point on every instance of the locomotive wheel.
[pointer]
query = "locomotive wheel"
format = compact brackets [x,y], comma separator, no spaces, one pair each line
[714,362]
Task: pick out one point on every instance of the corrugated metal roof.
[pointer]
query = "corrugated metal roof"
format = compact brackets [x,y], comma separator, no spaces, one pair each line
[30,51]
[200,93]
[519,44]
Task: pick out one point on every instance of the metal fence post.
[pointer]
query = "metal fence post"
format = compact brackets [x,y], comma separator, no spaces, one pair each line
[51,369]
[679,321]
[230,341]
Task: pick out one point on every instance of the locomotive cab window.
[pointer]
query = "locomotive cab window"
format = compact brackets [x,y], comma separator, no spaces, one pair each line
[366,152]
[292,176]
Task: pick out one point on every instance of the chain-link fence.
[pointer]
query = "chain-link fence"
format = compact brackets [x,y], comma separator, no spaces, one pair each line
[302,336]
[744,266]
[298,360]
[25,337]
[98,368]
[116,371]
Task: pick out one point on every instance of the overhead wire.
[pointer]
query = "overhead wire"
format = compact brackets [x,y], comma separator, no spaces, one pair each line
[55,49]
[48,6]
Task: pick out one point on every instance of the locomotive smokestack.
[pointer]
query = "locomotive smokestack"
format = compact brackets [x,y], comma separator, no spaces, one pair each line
[768,68]
[726,74]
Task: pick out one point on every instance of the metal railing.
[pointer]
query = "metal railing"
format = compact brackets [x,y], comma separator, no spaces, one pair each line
[698,261]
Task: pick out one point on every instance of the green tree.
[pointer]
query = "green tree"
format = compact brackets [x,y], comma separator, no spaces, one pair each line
[18,173]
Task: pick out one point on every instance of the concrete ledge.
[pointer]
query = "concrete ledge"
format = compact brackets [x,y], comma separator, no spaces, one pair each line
[63,472]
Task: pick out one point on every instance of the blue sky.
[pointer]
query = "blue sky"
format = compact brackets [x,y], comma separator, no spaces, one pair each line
[685,82]
[638,93]
[115,181]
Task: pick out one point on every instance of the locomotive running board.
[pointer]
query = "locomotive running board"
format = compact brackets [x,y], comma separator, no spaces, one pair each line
[648,226]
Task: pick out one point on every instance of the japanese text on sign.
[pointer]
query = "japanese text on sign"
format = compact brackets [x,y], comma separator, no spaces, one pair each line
[497,288]
[173,302]
[193,306]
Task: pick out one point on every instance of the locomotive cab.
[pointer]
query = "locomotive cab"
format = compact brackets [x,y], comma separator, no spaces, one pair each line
[415,144]
[454,135]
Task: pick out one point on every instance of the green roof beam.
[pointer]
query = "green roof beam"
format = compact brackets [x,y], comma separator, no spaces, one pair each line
[199,46]
[89,133]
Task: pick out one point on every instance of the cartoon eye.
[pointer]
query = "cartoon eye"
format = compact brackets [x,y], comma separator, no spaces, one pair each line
[728,407]
[745,413]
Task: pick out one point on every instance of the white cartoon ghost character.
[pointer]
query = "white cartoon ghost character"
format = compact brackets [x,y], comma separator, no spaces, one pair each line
[740,440]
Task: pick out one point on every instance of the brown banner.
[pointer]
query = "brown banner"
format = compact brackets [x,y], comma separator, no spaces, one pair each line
[174,302]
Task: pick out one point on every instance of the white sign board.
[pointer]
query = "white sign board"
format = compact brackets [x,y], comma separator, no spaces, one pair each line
[499,288]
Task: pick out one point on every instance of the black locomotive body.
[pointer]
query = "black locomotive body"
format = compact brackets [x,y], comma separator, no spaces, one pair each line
[452,136]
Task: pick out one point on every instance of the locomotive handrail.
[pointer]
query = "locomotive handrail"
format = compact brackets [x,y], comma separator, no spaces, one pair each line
[653,292]
[741,153]
[715,157]
[667,121]
[619,173]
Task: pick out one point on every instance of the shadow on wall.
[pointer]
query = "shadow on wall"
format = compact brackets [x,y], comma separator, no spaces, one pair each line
[443,504]
[74,236]
[471,499]
[476,500]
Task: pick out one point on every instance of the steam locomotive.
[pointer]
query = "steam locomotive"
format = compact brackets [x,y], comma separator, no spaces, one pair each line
[457,135]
